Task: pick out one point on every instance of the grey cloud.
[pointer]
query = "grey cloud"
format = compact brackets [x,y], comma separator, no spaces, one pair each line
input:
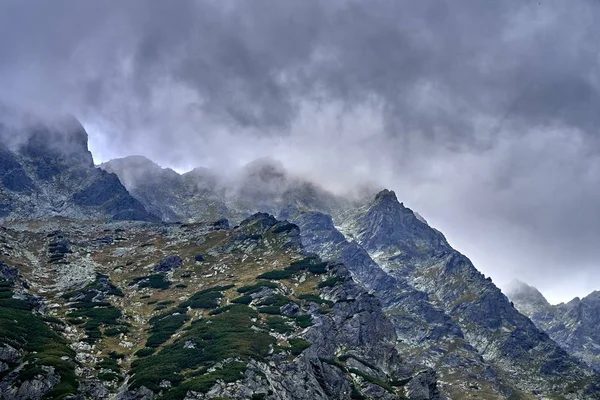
[482,115]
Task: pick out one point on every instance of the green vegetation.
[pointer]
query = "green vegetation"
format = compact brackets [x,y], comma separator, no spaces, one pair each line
[276,274]
[257,287]
[303,321]
[311,264]
[207,298]
[145,352]
[221,310]
[164,326]
[298,345]
[230,372]
[96,314]
[276,301]
[110,370]
[269,310]
[315,299]
[26,331]
[154,281]
[330,282]
[284,227]
[370,379]
[220,337]
[242,300]
[279,324]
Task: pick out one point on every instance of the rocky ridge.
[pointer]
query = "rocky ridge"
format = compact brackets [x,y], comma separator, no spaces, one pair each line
[573,325]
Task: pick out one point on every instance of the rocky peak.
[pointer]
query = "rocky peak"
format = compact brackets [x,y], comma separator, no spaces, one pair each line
[387,195]
[266,169]
[391,227]
[527,299]
[48,171]
[64,140]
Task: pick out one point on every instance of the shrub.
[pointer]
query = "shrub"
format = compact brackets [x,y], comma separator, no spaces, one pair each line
[257,287]
[315,299]
[207,298]
[303,321]
[279,324]
[145,352]
[242,300]
[277,274]
[330,282]
[163,327]
[298,345]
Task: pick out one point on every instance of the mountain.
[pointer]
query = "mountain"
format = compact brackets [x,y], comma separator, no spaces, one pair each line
[308,296]
[201,194]
[49,172]
[447,314]
[573,325]
[132,311]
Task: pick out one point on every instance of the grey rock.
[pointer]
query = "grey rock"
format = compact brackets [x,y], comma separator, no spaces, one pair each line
[169,263]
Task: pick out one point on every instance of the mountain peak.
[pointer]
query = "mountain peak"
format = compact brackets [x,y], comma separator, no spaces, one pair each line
[526,298]
[387,195]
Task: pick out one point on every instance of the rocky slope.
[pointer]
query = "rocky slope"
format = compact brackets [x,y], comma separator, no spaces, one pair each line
[407,248]
[49,172]
[142,311]
[445,313]
[573,325]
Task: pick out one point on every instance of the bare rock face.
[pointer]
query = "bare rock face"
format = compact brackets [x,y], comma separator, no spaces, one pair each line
[50,172]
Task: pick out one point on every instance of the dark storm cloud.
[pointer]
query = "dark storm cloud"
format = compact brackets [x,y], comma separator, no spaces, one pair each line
[482,115]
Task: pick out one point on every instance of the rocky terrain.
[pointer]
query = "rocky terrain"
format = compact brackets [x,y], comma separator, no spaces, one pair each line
[573,325]
[137,310]
[144,289]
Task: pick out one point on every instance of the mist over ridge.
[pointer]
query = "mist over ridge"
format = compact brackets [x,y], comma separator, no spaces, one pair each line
[482,118]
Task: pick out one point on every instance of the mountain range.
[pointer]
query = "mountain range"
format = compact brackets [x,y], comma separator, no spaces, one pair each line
[132,281]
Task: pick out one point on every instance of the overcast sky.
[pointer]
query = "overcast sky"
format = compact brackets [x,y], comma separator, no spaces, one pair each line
[483,116]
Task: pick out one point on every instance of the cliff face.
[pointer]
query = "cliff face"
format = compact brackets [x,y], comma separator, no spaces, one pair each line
[50,172]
